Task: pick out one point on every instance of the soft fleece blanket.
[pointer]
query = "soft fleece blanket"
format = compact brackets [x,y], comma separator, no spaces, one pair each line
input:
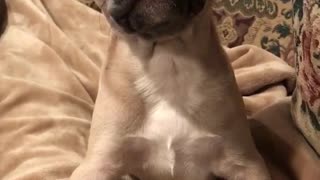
[50,61]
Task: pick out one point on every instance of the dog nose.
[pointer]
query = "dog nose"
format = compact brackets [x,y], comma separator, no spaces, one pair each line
[135,15]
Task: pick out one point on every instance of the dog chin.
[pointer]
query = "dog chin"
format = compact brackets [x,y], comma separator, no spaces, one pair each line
[151,36]
[155,35]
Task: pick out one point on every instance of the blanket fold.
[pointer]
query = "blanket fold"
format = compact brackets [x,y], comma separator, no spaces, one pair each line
[50,60]
[262,77]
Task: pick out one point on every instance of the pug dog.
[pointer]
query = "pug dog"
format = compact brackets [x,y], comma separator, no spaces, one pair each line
[171,107]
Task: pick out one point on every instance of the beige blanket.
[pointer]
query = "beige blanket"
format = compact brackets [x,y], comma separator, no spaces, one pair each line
[50,61]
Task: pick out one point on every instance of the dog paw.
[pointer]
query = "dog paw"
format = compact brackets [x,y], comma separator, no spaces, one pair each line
[95,171]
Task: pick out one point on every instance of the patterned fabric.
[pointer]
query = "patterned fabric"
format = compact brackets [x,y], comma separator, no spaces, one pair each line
[306,101]
[264,23]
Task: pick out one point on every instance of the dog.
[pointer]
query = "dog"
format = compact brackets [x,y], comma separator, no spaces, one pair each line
[173,109]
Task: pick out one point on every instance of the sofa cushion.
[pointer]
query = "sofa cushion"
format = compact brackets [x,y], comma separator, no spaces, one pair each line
[306,100]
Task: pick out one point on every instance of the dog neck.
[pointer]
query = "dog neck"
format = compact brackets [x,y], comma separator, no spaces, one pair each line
[182,64]
[199,42]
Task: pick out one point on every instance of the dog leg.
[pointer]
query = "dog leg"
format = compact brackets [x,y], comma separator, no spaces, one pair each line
[118,112]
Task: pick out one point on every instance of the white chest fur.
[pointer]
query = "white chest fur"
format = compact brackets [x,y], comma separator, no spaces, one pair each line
[170,85]
[165,124]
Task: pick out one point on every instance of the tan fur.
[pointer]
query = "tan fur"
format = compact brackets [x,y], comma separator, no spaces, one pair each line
[172,111]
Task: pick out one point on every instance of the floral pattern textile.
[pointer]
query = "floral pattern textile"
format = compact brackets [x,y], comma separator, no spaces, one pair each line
[306,101]
[264,23]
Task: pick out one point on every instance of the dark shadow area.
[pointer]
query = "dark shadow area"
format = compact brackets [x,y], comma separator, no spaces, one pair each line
[3,16]
[271,146]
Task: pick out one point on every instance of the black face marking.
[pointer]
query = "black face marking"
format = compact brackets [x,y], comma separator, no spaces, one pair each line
[153,18]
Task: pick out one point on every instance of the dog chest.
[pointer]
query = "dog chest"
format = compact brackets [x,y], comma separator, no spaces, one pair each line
[164,121]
